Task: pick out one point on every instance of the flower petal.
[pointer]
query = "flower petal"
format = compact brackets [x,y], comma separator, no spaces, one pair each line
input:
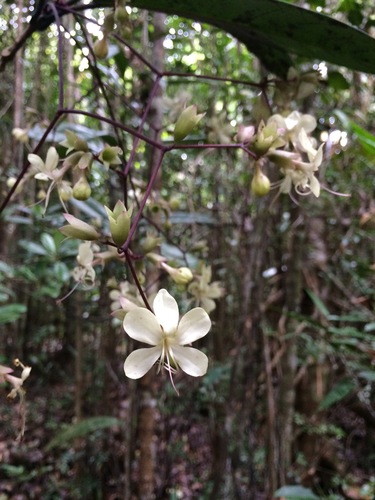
[308,122]
[190,360]
[166,311]
[52,159]
[208,304]
[194,325]
[315,186]
[140,361]
[141,324]
[35,161]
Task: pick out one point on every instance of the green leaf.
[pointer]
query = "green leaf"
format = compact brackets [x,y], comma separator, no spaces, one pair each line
[11,312]
[337,393]
[317,302]
[33,248]
[48,243]
[366,139]
[295,493]
[337,81]
[61,272]
[13,470]
[272,29]
[87,426]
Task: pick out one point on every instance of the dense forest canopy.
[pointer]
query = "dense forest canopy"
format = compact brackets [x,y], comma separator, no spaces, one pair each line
[187,258]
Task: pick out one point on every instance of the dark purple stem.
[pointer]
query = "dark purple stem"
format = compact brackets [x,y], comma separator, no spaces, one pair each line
[136,280]
[150,186]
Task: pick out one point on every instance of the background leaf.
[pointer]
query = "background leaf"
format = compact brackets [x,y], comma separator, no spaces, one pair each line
[337,393]
[295,493]
[272,29]
[81,429]
[11,312]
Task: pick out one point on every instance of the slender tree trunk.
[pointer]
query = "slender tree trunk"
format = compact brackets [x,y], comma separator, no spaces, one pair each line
[293,252]
[147,408]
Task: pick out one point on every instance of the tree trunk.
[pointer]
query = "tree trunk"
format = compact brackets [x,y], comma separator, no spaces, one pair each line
[147,408]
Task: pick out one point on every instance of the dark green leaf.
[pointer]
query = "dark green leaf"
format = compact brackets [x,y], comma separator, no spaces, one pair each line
[11,312]
[337,393]
[366,139]
[337,81]
[81,429]
[318,303]
[48,243]
[272,30]
[33,248]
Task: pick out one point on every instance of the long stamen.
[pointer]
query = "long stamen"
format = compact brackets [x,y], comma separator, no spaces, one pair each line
[170,370]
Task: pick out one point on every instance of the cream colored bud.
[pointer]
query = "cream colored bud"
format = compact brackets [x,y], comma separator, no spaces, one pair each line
[121,15]
[101,48]
[110,156]
[260,185]
[186,122]
[174,203]
[65,191]
[20,134]
[78,229]
[119,223]
[181,276]
[82,189]
[245,134]
[108,23]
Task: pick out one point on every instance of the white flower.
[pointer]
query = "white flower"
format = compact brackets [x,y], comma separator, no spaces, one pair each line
[299,173]
[169,335]
[204,291]
[291,126]
[48,171]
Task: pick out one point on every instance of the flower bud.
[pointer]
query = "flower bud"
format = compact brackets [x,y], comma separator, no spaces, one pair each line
[11,182]
[20,134]
[101,48]
[186,122]
[108,23]
[119,223]
[82,189]
[260,185]
[121,15]
[265,138]
[110,156]
[174,203]
[78,229]
[65,191]
[245,134]
[181,276]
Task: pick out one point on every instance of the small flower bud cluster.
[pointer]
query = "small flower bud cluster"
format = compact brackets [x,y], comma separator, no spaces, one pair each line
[119,223]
